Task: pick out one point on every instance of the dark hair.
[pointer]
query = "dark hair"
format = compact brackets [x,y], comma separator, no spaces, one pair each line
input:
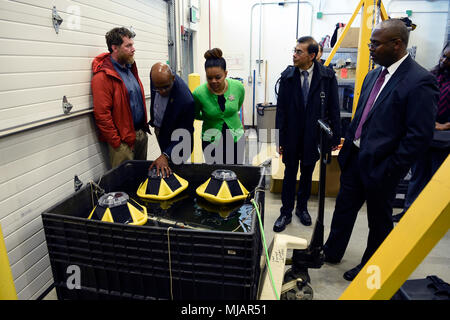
[320,47]
[214,59]
[437,70]
[114,37]
[313,47]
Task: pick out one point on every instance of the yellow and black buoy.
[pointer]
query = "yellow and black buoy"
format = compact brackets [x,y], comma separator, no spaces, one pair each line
[225,211]
[118,207]
[157,188]
[222,187]
[157,205]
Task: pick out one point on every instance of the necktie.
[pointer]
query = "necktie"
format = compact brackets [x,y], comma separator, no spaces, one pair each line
[370,102]
[305,86]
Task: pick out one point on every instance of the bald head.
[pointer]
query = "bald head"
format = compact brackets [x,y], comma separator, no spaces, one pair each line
[395,28]
[388,42]
[162,78]
[160,70]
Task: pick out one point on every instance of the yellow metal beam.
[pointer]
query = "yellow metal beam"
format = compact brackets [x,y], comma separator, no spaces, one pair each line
[7,288]
[419,230]
[369,12]
[384,15]
[344,32]
[197,152]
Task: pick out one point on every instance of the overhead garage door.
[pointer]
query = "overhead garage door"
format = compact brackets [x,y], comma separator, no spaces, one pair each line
[37,68]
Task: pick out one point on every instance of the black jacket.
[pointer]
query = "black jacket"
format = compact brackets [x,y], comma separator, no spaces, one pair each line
[179,114]
[298,128]
[398,127]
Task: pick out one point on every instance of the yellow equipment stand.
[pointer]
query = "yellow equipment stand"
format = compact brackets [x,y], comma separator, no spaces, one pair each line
[7,288]
[197,152]
[419,230]
[367,23]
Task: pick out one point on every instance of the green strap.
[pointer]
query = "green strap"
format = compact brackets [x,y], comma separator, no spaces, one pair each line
[265,248]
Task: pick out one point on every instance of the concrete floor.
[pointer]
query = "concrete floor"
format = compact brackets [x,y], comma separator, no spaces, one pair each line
[327,282]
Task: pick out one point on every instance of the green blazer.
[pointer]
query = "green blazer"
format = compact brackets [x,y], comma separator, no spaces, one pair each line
[207,109]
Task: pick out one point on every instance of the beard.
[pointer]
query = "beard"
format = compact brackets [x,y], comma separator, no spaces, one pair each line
[124,58]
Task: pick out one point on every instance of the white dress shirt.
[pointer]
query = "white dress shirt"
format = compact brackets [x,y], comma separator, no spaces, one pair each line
[391,70]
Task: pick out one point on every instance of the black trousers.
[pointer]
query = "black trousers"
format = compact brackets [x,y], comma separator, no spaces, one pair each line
[289,185]
[352,195]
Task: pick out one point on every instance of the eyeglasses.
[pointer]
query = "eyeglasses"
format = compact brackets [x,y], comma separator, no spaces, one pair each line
[444,57]
[297,52]
[376,44]
[165,88]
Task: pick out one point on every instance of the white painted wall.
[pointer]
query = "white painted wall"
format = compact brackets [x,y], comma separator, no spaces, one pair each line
[38,67]
[230,31]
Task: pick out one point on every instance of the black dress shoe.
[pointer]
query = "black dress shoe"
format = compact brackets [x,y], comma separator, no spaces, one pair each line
[281,223]
[304,216]
[397,217]
[352,273]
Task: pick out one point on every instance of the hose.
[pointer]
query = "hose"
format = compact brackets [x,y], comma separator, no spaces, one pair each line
[265,249]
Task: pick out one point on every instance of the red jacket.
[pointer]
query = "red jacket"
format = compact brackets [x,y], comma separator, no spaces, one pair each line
[112,110]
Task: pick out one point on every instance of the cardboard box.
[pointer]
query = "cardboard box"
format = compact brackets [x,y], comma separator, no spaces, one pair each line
[332,178]
[351,39]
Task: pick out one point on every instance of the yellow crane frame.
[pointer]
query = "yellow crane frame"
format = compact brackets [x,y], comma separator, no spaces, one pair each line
[419,230]
[363,60]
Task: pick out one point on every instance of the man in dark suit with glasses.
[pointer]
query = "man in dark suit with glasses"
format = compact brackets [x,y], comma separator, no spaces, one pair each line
[392,125]
[299,106]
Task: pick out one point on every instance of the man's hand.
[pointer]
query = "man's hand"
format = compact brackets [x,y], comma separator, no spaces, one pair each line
[442,126]
[334,148]
[162,166]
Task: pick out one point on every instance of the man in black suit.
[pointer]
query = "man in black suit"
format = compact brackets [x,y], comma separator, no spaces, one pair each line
[172,107]
[299,107]
[392,125]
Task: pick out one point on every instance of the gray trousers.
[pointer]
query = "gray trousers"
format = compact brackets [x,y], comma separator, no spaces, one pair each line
[124,152]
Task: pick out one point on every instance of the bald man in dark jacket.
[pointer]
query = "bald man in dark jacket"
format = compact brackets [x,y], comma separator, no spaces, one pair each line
[172,108]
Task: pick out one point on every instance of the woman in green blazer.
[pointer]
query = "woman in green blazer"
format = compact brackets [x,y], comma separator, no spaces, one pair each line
[217,103]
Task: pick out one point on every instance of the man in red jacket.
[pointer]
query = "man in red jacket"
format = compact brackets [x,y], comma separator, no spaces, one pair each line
[119,101]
